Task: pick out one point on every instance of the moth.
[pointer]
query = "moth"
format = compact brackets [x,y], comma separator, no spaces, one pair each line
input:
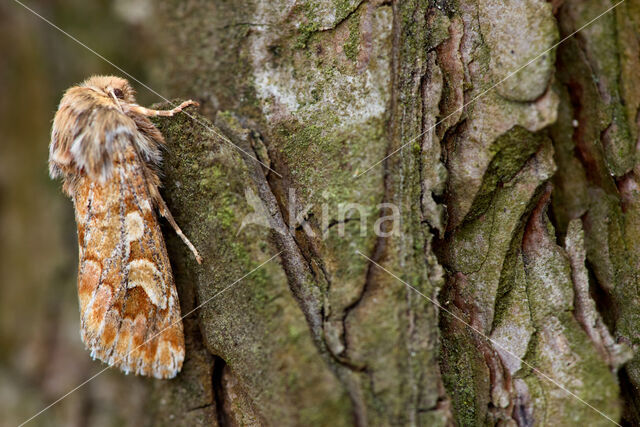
[107,153]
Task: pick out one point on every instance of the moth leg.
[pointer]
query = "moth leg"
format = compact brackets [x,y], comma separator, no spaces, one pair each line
[164,113]
[164,211]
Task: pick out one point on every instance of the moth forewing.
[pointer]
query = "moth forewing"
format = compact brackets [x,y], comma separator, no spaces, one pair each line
[107,151]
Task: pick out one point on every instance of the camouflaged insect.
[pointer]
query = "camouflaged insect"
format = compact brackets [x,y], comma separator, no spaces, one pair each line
[107,151]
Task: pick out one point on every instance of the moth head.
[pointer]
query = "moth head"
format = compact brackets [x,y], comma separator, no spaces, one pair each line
[90,126]
[115,88]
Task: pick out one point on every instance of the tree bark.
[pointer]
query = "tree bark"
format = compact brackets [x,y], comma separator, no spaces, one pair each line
[518,210]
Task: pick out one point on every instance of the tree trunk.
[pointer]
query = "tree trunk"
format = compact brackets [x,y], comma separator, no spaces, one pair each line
[484,272]
[517,211]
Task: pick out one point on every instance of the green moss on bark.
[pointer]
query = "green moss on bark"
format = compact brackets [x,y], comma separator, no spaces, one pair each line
[205,183]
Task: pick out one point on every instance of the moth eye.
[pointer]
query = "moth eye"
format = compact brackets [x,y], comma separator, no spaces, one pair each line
[118,93]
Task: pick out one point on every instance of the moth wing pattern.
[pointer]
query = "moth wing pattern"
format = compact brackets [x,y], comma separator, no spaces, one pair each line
[130,314]
[107,153]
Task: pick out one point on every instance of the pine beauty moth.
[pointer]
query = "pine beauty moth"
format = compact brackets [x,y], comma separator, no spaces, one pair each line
[107,153]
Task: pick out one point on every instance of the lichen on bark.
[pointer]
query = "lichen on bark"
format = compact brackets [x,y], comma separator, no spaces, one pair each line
[495,174]
[252,323]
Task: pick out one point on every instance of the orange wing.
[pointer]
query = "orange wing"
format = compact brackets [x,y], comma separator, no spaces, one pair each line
[129,308]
